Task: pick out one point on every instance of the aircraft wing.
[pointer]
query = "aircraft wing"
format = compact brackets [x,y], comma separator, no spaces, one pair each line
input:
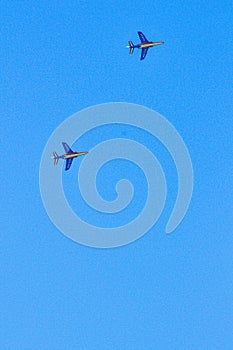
[67,148]
[143,54]
[68,163]
[142,37]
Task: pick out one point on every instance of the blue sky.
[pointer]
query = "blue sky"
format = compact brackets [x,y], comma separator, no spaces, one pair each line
[162,291]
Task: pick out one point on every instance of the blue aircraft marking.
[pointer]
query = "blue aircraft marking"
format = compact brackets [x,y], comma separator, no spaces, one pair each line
[142,37]
[67,148]
[143,54]
[68,163]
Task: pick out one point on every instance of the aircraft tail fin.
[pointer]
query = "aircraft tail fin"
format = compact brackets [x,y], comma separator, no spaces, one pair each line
[131,47]
[55,158]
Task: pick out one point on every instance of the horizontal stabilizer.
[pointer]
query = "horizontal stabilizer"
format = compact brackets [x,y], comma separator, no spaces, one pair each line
[131,47]
[55,158]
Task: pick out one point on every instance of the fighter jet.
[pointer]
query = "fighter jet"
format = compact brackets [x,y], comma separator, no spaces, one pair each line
[144,45]
[68,156]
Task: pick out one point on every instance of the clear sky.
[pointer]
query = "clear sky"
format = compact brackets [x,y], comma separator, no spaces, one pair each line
[162,291]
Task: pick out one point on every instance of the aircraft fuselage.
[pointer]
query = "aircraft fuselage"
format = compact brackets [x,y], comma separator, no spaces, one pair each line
[72,155]
[149,44]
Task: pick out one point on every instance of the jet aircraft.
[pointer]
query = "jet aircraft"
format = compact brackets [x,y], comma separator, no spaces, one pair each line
[68,156]
[144,45]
